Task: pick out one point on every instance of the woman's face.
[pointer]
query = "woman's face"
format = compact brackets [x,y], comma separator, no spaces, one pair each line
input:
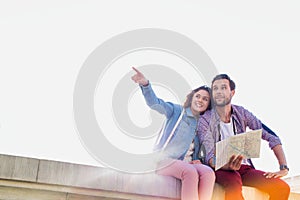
[200,102]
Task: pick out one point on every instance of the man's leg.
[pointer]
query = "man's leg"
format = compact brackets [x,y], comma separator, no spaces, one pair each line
[188,176]
[275,187]
[232,183]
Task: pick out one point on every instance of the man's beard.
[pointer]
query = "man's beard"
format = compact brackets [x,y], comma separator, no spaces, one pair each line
[222,104]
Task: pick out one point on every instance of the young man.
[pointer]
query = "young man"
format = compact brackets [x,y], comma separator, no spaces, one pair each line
[226,120]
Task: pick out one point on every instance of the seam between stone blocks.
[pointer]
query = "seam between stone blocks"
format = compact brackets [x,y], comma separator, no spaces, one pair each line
[38,171]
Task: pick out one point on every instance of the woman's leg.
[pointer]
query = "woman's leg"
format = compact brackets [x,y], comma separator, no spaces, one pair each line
[206,181]
[188,176]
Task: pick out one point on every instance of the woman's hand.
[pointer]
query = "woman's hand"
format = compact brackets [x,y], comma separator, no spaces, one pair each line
[139,78]
[195,162]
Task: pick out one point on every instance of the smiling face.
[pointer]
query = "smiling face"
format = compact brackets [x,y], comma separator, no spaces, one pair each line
[200,102]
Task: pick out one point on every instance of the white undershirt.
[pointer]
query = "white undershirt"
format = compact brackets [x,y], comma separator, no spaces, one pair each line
[226,132]
[189,153]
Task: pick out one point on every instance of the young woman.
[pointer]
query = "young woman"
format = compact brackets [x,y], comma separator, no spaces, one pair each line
[179,142]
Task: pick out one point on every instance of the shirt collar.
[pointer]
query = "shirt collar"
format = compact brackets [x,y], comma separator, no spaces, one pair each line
[233,114]
[189,112]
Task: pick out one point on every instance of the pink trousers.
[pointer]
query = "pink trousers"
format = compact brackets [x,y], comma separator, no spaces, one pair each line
[197,180]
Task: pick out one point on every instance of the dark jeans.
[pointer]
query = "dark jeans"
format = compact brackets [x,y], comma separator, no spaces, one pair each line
[232,182]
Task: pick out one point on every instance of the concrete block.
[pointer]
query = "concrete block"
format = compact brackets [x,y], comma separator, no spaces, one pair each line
[52,172]
[10,193]
[75,181]
[18,168]
[149,184]
[253,193]
[84,197]
[294,196]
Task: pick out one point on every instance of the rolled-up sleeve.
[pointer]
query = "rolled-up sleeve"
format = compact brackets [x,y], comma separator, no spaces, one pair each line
[254,124]
[205,135]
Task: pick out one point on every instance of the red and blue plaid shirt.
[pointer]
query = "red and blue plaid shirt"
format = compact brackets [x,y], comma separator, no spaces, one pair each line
[209,126]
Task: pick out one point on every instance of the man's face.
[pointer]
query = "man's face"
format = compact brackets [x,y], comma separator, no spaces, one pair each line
[221,92]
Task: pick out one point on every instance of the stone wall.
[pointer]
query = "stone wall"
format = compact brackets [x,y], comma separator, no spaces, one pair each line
[24,178]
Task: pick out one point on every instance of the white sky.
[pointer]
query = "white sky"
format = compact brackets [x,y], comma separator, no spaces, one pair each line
[43,45]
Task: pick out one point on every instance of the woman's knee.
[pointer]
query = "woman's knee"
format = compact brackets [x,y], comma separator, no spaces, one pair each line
[211,174]
[206,172]
[189,172]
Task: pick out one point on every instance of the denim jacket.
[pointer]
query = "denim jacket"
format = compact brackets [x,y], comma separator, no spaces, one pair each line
[209,125]
[185,132]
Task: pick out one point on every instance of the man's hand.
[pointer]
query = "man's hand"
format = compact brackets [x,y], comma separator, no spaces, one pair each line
[278,174]
[139,77]
[234,163]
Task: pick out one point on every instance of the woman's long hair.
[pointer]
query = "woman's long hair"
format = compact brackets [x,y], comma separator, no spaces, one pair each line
[189,97]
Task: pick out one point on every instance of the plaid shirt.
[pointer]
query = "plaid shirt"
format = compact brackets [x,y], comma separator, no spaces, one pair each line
[209,126]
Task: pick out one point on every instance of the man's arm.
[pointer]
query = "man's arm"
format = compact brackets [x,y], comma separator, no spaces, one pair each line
[205,135]
[279,153]
[274,144]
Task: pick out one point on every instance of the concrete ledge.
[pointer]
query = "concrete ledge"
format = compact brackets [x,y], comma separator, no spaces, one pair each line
[28,178]
[20,168]
[20,190]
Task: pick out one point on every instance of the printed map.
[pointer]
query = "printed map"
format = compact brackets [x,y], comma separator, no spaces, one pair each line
[245,144]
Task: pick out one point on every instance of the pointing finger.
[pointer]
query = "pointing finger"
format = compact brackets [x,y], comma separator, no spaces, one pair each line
[137,71]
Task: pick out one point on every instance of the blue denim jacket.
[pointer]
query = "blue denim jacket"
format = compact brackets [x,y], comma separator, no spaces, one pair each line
[185,132]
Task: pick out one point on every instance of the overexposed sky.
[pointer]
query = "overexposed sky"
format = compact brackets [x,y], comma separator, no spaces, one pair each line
[43,45]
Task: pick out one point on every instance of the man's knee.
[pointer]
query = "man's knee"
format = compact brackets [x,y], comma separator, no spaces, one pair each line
[284,188]
[229,180]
